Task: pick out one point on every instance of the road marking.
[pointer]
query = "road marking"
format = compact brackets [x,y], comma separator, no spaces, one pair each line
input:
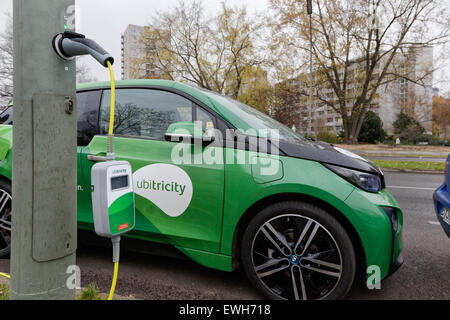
[434,223]
[411,188]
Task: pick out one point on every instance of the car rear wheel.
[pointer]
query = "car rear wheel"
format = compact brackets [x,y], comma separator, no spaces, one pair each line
[5,218]
[297,251]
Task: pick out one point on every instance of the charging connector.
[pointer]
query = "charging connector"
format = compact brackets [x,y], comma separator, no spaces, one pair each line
[70,44]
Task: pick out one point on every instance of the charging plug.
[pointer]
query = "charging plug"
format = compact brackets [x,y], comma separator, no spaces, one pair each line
[70,44]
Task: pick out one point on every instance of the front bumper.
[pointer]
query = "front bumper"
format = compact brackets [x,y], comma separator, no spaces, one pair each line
[380,236]
[395,265]
[441,199]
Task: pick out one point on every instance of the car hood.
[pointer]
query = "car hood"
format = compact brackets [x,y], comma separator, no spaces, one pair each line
[327,154]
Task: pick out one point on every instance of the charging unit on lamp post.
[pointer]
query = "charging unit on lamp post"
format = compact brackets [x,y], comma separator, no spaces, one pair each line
[113,204]
[112,198]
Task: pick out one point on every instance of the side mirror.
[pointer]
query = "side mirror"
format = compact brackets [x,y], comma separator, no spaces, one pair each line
[188,132]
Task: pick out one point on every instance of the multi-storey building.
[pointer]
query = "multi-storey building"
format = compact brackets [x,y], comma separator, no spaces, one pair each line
[134,51]
[412,94]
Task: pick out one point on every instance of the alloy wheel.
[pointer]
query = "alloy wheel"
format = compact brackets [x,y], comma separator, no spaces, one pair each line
[295,257]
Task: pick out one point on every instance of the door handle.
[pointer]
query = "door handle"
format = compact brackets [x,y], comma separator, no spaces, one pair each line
[95,158]
[175,137]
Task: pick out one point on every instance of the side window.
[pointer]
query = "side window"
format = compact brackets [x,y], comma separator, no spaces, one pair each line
[207,120]
[144,112]
[88,106]
[7,116]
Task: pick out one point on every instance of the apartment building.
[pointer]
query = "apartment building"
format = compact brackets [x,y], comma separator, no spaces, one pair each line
[133,53]
[402,95]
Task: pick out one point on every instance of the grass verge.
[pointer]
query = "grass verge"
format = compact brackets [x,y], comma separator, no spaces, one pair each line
[410,165]
[90,293]
[4,292]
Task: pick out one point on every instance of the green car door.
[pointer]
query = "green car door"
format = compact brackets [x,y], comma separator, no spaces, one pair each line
[170,191]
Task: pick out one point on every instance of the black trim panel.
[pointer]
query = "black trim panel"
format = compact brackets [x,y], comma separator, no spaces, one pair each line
[325,153]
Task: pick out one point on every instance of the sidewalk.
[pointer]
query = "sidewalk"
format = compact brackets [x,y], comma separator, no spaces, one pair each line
[425,159]
[401,151]
[411,153]
[385,147]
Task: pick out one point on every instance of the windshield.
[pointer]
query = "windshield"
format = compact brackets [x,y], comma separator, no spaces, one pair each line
[255,119]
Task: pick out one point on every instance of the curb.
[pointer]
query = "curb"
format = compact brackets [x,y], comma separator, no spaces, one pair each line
[411,171]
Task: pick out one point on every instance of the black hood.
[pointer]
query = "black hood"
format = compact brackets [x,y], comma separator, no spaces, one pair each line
[327,154]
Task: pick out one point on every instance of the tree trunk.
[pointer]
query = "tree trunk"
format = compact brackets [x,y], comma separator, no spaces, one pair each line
[351,136]
[351,139]
[349,132]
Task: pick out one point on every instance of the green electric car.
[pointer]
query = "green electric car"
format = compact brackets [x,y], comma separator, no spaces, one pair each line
[229,186]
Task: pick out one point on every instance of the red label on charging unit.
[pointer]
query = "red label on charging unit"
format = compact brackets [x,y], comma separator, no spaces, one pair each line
[123,226]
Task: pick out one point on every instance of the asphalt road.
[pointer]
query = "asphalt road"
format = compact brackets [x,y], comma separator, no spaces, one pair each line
[424,274]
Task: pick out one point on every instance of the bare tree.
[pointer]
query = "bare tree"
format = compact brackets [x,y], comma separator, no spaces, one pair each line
[6,63]
[83,73]
[361,45]
[283,104]
[217,54]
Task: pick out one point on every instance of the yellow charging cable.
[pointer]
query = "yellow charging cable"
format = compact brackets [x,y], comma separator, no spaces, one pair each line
[111,151]
[5,275]
[113,286]
[113,99]
[112,109]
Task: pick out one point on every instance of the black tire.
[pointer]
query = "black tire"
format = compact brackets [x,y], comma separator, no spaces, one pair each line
[276,275]
[5,218]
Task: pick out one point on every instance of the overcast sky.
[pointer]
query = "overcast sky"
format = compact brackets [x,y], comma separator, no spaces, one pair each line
[105,23]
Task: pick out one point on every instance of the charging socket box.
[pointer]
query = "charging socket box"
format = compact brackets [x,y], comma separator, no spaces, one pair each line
[112,198]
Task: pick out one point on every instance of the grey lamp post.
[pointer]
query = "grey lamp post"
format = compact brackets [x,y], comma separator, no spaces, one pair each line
[44,196]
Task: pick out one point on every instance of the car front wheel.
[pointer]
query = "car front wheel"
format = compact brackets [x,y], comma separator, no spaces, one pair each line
[297,251]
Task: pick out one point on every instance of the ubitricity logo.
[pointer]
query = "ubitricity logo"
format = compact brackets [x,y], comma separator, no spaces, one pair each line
[169,187]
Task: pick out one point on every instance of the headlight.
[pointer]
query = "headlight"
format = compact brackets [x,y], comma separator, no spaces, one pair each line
[366,181]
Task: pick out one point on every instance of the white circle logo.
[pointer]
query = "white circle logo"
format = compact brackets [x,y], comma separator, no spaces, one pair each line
[167,186]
